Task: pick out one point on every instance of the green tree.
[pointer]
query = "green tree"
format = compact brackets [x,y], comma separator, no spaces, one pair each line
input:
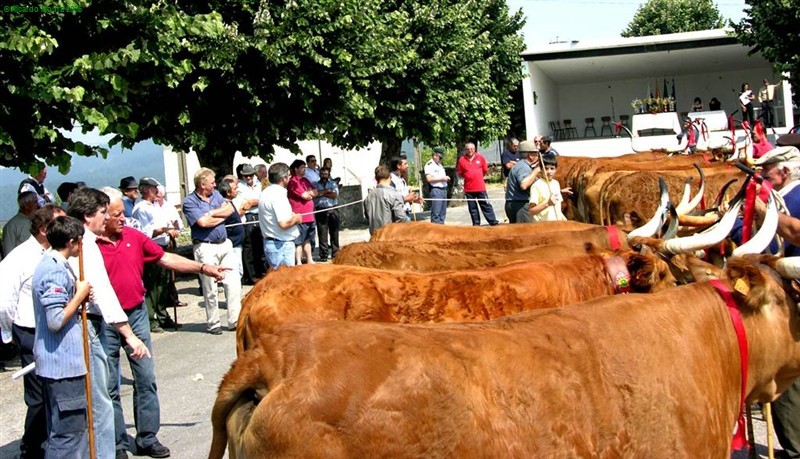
[772,28]
[231,75]
[657,17]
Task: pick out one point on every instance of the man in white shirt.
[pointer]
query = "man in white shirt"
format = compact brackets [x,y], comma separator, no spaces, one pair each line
[766,95]
[399,168]
[18,322]
[91,207]
[437,177]
[277,221]
[156,279]
[312,169]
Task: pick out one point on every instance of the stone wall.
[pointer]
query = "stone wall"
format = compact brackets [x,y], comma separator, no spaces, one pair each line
[351,216]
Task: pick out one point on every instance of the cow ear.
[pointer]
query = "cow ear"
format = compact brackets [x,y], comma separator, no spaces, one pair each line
[749,283]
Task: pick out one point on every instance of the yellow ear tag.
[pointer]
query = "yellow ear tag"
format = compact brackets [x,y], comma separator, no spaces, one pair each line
[741,286]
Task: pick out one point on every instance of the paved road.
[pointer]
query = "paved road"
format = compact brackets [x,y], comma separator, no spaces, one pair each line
[189,365]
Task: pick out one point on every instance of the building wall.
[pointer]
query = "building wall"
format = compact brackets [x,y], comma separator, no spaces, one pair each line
[613,98]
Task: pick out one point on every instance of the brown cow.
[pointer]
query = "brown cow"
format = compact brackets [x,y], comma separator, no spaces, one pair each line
[426,231]
[326,292]
[598,236]
[423,258]
[651,376]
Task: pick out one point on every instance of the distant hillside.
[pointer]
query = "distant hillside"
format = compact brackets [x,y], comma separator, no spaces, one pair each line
[144,160]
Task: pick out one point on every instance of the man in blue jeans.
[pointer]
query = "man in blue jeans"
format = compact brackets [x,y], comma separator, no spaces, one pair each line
[277,221]
[125,251]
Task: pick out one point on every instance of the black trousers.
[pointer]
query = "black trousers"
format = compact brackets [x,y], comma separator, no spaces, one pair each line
[253,262]
[328,223]
[786,417]
[36,419]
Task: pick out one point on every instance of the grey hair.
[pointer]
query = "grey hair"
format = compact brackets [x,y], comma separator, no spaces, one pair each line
[278,172]
[792,166]
[201,175]
[112,193]
[27,198]
[469,144]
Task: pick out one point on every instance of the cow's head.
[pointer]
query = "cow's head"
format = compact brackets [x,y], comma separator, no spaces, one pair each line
[768,302]
[685,267]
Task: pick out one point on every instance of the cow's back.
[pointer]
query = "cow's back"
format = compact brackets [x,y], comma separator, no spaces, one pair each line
[620,377]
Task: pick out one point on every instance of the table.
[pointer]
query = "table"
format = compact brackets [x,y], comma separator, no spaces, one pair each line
[716,120]
[665,121]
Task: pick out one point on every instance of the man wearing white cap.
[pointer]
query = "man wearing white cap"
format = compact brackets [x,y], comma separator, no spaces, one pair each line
[781,166]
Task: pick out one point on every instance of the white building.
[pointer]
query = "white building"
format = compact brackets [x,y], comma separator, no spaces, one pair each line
[579,80]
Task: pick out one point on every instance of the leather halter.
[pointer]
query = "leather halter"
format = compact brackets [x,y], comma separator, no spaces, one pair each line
[739,440]
[620,277]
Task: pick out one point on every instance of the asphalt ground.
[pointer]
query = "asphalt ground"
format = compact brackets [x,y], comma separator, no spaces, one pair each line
[190,363]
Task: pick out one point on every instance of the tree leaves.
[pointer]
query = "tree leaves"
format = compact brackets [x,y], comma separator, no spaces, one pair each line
[771,27]
[657,17]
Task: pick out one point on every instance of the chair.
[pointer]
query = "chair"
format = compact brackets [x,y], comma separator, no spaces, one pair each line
[606,124]
[558,132]
[589,125]
[569,130]
[625,120]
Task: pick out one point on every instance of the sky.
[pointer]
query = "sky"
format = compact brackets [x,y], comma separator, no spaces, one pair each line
[582,20]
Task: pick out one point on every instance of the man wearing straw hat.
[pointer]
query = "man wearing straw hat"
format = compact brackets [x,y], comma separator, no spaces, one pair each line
[520,179]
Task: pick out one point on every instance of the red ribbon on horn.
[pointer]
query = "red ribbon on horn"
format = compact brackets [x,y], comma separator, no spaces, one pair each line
[732,127]
[750,206]
[618,126]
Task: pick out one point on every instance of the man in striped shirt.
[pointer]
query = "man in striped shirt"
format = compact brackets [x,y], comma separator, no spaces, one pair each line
[58,345]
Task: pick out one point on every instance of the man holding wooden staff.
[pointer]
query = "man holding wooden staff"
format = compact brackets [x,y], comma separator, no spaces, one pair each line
[90,206]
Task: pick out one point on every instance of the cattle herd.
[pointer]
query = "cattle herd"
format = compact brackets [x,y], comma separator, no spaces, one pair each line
[605,336]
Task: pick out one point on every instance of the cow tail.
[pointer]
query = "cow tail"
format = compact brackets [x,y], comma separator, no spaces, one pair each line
[245,374]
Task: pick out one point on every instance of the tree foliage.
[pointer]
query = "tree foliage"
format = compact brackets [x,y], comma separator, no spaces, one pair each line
[658,17]
[230,75]
[772,28]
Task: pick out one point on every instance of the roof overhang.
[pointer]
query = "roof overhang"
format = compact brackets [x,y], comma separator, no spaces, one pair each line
[643,57]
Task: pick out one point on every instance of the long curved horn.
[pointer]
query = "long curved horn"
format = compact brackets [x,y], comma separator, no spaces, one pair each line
[765,234]
[650,228]
[711,236]
[687,193]
[722,191]
[672,229]
[697,197]
[788,267]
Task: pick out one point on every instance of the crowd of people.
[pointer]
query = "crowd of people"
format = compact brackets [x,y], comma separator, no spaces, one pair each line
[113,249]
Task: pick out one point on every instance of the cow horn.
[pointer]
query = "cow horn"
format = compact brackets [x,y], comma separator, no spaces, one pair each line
[687,193]
[788,267]
[711,236]
[765,234]
[672,229]
[650,228]
[690,205]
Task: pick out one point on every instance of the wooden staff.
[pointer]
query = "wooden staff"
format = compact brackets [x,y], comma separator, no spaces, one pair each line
[88,380]
[767,409]
[544,173]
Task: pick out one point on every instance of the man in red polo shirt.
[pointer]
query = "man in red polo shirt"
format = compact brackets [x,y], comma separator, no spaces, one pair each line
[125,251]
[473,167]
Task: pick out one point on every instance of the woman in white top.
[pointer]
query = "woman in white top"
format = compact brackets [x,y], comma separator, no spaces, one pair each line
[746,101]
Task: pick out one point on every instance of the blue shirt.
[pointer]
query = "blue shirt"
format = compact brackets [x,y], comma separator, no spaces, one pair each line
[194,208]
[323,202]
[518,173]
[57,350]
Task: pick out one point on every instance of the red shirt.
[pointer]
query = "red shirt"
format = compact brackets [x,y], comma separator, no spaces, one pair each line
[125,264]
[473,172]
[296,187]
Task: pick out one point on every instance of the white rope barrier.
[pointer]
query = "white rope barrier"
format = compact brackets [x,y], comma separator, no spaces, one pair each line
[255,222]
